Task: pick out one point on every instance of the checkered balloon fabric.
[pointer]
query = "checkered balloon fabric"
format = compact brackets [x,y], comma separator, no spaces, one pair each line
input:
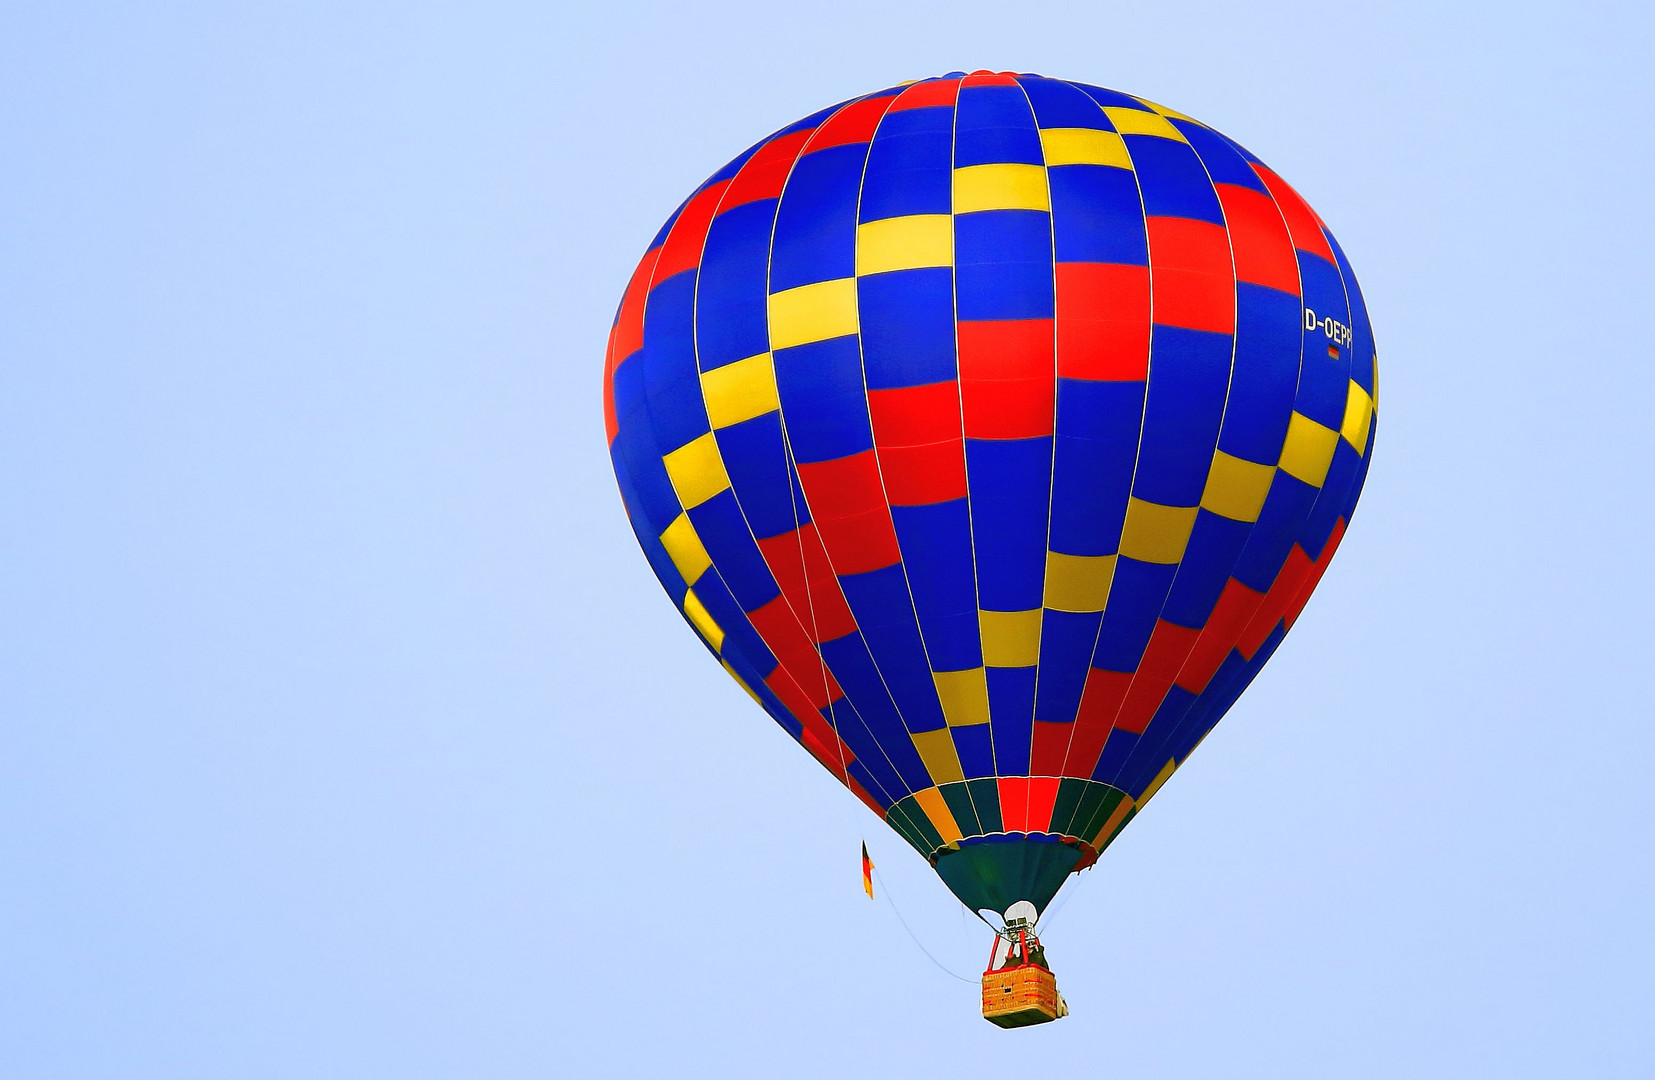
[991,431]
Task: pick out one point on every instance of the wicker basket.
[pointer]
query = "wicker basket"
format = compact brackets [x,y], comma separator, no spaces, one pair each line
[1019,996]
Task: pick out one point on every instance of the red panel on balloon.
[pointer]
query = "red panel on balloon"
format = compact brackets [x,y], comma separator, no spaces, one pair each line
[1007,378]
[629,321]
[1235,607]
[1102,321]
[783,629]
[1192,282]
[1168,647]
[842,488]
[1302,221]
[1051,746]
[922,95]
[991,78]
[1099,702]
[855,123]
[800,566]
[1276,602]
[764,174]
[688,236]
[1014,803]
[922,475]
[1042,797]
[1259,239]
[915,414]
[861,543]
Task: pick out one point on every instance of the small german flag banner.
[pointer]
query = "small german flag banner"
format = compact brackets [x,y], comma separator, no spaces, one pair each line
[867,871]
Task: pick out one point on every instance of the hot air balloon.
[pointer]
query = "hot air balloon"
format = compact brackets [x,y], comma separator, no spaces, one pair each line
[991,431]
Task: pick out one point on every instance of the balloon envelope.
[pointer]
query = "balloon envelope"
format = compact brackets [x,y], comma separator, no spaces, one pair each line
[991,431]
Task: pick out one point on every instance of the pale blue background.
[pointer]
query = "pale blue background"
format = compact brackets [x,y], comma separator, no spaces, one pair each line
[334,693]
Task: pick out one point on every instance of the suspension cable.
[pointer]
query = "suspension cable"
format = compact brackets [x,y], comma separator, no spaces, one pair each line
[940,965]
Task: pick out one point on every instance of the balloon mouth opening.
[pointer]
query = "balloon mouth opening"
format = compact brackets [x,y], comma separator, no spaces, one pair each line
[1088,853]
[999,870]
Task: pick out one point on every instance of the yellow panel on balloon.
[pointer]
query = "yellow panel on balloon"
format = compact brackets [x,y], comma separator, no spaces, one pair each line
[905,243]
[931,801]
[702,620]
[696,471]
[1084,146]
[1078,582]
[936,750]
[816,312]
[1358,418]
[740,391]
[1308,450]
[1156,533]
[1010,638]
[685,549]
[1142,122]
[1236,487]
[1000,187]
[964,696]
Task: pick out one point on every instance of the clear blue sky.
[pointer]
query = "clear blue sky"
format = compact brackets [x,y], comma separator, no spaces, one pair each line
[334,693]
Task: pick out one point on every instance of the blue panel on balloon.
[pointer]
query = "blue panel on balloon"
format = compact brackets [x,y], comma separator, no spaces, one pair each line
[1285,510]
[728,614]
[1135,599]
[1361,364]
[910,165]
[843,718]
[1089,491]
[1214,545]
[1010,480]
[1223,164]
[1116,750]
[860,773]
[816,225]
[823,402]
[976,749]
[907,319]
[724,533]
[1155,745]
[953,642]
[642,528]
[1330,505]
[756,461]
[994,125]
[936,542]
[1066,642]
[854,669]
[1058,104]
[1325,375]
[1189,371]
[1094,409]
[627,384]
[1266,374]
[1011,705]
[1355,493]
[731,322]
[656,497]
[1003,261]
[1172,180]
[671,384]
[879,599]
[1096,215]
